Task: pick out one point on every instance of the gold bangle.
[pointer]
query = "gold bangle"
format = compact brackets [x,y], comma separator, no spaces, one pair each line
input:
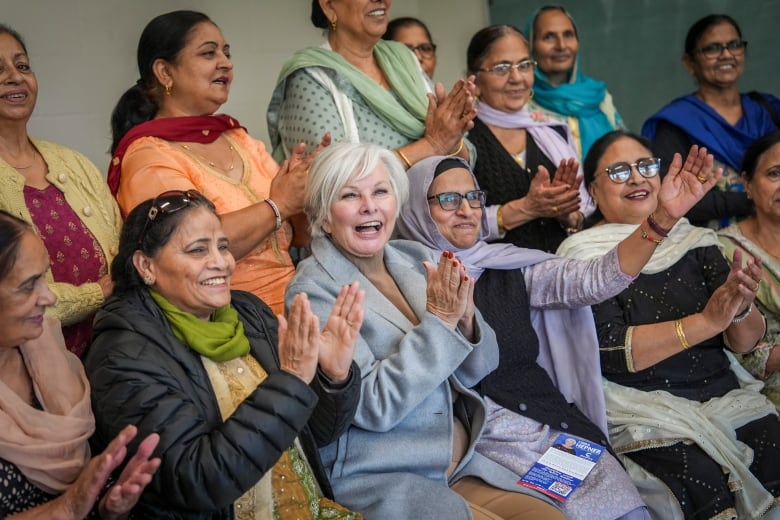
[404,158]
[456,152]
[681,334]
[500,219]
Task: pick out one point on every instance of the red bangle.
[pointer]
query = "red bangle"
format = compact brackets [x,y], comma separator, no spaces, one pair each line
[656,241]
[656,227]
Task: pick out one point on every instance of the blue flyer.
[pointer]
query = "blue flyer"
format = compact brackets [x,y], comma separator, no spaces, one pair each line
[563,467]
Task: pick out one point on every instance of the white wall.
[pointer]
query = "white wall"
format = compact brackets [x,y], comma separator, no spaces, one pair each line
[83,52]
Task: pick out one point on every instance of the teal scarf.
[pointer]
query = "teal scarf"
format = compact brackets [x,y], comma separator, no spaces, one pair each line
[220,339]
[404,108]
[581,98]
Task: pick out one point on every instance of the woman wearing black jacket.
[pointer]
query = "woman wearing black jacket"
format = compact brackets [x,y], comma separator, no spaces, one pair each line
[240,401]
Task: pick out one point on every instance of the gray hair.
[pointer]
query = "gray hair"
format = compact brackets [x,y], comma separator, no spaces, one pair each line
[333,168]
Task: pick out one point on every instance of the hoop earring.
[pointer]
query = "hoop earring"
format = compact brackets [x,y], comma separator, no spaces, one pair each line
[168,89]
[333,25]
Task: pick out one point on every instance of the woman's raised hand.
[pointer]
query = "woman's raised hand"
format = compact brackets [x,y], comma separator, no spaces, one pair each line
[299,336]
[290,182]
[450,116]
[450,290]
[686,184]
[337,341]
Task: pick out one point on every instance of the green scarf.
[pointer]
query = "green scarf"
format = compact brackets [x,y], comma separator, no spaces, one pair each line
[404,108]
[220,339]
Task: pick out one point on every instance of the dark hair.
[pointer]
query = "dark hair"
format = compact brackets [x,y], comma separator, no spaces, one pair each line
[599,148]
[546,8]
[402,22]
[698,29]
[755,151]
[318,17]
[483,41]
[162,38]
[12,229]
[156,235]
[5,29]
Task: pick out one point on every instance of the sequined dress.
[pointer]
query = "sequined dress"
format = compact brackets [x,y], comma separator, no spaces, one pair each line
[699,373]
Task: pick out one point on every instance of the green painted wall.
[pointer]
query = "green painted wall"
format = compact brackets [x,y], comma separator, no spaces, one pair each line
[635,45]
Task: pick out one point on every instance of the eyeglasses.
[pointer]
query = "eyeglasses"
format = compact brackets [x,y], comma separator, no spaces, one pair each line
[647,167]
[713,50]
[166,203]
[450,200]
[426,50]
[502,69]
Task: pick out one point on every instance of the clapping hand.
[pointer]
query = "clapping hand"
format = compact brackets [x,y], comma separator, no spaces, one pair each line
[736,293]
[299,339]
[337,341]
[450,116]
[556,198]
[686,184]
[78,499]
[122,496]
[288,186]
[450,291]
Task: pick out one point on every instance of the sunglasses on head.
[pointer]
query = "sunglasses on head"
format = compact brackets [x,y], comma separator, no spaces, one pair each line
[450,200]
[166,203]
[648,167]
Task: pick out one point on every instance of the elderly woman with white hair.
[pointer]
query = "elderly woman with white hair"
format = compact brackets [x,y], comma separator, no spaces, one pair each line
[409,451]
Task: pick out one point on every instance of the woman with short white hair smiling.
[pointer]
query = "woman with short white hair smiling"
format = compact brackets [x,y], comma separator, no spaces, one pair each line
[409,450]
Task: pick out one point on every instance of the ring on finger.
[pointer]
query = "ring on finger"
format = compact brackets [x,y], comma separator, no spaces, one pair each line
[702,179]
[555,209]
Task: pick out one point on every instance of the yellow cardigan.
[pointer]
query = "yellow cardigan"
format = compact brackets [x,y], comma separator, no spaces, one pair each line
[87,193]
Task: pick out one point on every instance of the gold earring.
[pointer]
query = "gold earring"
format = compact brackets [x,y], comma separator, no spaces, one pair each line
[333,25]
[168,89]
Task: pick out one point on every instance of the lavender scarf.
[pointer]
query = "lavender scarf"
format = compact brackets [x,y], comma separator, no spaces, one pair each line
[568,346]
[549,141]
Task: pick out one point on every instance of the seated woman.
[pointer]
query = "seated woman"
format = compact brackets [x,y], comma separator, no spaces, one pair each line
[690,425]
[240,401]
[167,137]
[759,236]
[361,88]
[414,34]
[717,115]
[409,450]
[561,90]
[526,162]
[525,296]
[63,195]
[45,415]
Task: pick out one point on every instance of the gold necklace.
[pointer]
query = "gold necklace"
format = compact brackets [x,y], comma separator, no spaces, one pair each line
[35,155]
[212,163]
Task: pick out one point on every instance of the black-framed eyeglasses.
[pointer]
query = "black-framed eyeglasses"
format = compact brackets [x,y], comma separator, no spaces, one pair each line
[426,50]
[713,50]
[648,167]
[450,200]
[166,203]
[504,68]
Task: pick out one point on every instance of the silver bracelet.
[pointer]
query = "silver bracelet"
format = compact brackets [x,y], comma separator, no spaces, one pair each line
[742,315]
[276,212]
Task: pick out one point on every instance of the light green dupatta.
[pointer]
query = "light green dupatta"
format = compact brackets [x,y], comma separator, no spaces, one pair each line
[404,107]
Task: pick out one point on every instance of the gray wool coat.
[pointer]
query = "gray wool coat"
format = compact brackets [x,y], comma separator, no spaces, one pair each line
[393,459]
